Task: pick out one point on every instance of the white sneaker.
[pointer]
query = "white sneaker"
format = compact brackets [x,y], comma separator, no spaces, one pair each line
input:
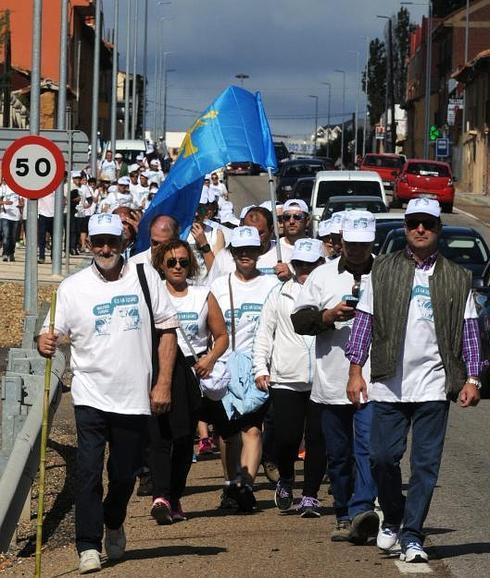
[115,543]
[387,537]
[413,553]
[89,561]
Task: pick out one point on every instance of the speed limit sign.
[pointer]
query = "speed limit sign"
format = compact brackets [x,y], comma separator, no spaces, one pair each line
[33,166]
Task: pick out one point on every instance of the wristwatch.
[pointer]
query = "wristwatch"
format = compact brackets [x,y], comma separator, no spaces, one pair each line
[474,381]
[204,248]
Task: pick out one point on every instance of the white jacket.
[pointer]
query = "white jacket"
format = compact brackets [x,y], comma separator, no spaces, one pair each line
[278,351]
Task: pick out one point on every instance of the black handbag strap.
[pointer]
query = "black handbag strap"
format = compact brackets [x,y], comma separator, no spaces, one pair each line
[232,305]
[140,268]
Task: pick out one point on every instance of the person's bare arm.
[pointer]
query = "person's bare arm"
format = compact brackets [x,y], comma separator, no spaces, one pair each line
[161,396]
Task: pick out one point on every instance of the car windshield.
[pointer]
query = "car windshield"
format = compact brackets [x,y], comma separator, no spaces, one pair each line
[384,162]
[461,249]
[301,170]
[374,206]
[327,189]
[303,190]
[428,170]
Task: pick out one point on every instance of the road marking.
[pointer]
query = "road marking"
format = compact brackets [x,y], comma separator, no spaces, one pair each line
[470,215]
[405,568]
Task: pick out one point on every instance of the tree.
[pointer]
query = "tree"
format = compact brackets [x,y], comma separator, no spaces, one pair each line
[402,28]
[442,8]
[376,88]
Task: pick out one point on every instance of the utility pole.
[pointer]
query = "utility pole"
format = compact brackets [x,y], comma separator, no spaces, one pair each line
[343,119]
[165,85]
[126,78]
[134,110]
[61,124]
[315,133]
[7,71]
[392,86]
[31,276]
[115,60]
[356,117]
[95,93]
[329,132]
[466,56]
[364,133]
[145,64]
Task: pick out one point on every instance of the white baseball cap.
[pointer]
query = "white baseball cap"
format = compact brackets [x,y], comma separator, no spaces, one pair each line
[324,228]
[297,204]
[112,189]
[145,174]
[309,250]
[245,210]
[423,205]
[268,205]
[76,175]
[245,237]
[359,227]
[123,181]
[230,218]
[134,168]
[336,222]
[140,157]
[154,163]
[105,224]
[118,156]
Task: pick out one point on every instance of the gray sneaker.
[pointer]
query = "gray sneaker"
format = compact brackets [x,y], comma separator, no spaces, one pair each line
[341,532]
[89,561]
[364,526]
[115,543]
[309,507]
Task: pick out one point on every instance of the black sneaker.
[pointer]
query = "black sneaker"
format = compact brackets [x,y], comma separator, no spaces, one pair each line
[364,526]
[342,531]
[283,496]
[229,498]
[145,487]
[11,258]
[246,499]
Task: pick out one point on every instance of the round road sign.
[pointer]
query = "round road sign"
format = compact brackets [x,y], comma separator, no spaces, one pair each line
[33,166]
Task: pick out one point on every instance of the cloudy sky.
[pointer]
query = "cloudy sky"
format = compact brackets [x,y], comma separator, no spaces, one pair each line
[287,47]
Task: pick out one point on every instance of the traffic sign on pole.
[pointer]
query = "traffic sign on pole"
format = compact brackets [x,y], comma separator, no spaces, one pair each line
[442,147]
[33,167]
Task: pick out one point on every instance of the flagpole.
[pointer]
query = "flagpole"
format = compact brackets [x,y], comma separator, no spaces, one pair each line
[272,190]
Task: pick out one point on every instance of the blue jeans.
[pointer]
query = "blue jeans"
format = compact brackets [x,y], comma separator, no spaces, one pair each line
[9,232]
[347,431]
[391,423]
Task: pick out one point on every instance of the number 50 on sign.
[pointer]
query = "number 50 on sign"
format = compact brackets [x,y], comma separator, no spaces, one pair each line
[33,166]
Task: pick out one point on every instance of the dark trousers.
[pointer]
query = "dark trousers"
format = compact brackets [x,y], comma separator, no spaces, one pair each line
[347,433]
[269,453]
[316,456]
[9,234]
[289,425]
[391,423]
[170,459]
[125,435]
[45,225]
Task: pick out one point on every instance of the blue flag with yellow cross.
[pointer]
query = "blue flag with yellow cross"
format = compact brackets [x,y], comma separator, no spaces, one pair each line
[233,128]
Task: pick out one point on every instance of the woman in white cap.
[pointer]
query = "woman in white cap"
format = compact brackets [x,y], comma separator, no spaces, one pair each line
[241,295]
[284,362]
[172,435]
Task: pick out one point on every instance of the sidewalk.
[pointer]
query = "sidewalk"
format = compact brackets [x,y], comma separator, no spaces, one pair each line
[474,204]
[15,271]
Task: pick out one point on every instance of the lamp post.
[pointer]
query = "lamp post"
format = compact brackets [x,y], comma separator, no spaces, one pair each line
[316,121]
[95,91]
[356,118]
[166,71]
[390,89]
[329,133]
[342,72]
[241,77]
[428,71]
[126,74]
[134,110]
[364,132]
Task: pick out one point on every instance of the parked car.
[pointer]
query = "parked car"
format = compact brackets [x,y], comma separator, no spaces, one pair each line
[292,170]
[130,149]
[355,203]
[387,165]
[342,183]
[242,168]
[463,245]
[425,178]
[383,228]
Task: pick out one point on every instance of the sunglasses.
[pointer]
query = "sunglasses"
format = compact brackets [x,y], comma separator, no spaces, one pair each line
[295,216]
[183,262]
[428,224]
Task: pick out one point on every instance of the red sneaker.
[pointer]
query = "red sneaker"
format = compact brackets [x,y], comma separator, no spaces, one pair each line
[205,446]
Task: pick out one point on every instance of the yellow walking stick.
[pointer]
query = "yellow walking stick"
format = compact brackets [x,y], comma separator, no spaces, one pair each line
[44,443]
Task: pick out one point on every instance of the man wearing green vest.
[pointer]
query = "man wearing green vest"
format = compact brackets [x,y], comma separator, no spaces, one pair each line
[418,315]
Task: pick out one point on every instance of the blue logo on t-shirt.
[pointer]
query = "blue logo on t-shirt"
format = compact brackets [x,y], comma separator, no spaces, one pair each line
[421,296]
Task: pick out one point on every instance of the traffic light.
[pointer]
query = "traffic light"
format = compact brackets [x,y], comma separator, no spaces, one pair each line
[434,132]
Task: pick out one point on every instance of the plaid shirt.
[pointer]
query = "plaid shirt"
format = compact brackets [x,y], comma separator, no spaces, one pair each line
[357,349]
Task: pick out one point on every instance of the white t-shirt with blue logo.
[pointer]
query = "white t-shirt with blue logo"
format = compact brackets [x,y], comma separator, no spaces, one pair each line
[420,374]
[192,312]
[248,299]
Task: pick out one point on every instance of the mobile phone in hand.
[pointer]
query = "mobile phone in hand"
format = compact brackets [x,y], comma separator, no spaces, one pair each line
[351,303]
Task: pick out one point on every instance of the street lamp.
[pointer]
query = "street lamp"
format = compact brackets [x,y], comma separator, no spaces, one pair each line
[428,71]
[315,134]
[364,133]
[390,89]
[241,77]
[466,55]
[356,123]
[342,72]
[166,71]
[329,132]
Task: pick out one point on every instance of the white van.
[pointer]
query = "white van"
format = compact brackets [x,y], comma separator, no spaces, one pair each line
[342,183]
[130,149]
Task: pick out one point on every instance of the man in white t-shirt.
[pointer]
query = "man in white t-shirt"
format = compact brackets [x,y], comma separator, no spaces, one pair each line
[107,168]
[218,189]
[45,211]
[418,316]
[102,309]
[10,214]
[295,220]
[325,307]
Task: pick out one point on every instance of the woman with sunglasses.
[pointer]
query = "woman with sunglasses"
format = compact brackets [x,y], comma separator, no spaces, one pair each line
[200,320]
[241,296]
[283,364]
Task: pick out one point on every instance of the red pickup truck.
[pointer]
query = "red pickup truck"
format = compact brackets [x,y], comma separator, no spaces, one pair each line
[387,166]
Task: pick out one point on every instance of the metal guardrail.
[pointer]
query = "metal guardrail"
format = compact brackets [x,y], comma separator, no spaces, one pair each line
[22,402]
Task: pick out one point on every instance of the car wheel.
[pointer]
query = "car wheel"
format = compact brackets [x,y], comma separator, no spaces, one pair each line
[447,207]
[395,202]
